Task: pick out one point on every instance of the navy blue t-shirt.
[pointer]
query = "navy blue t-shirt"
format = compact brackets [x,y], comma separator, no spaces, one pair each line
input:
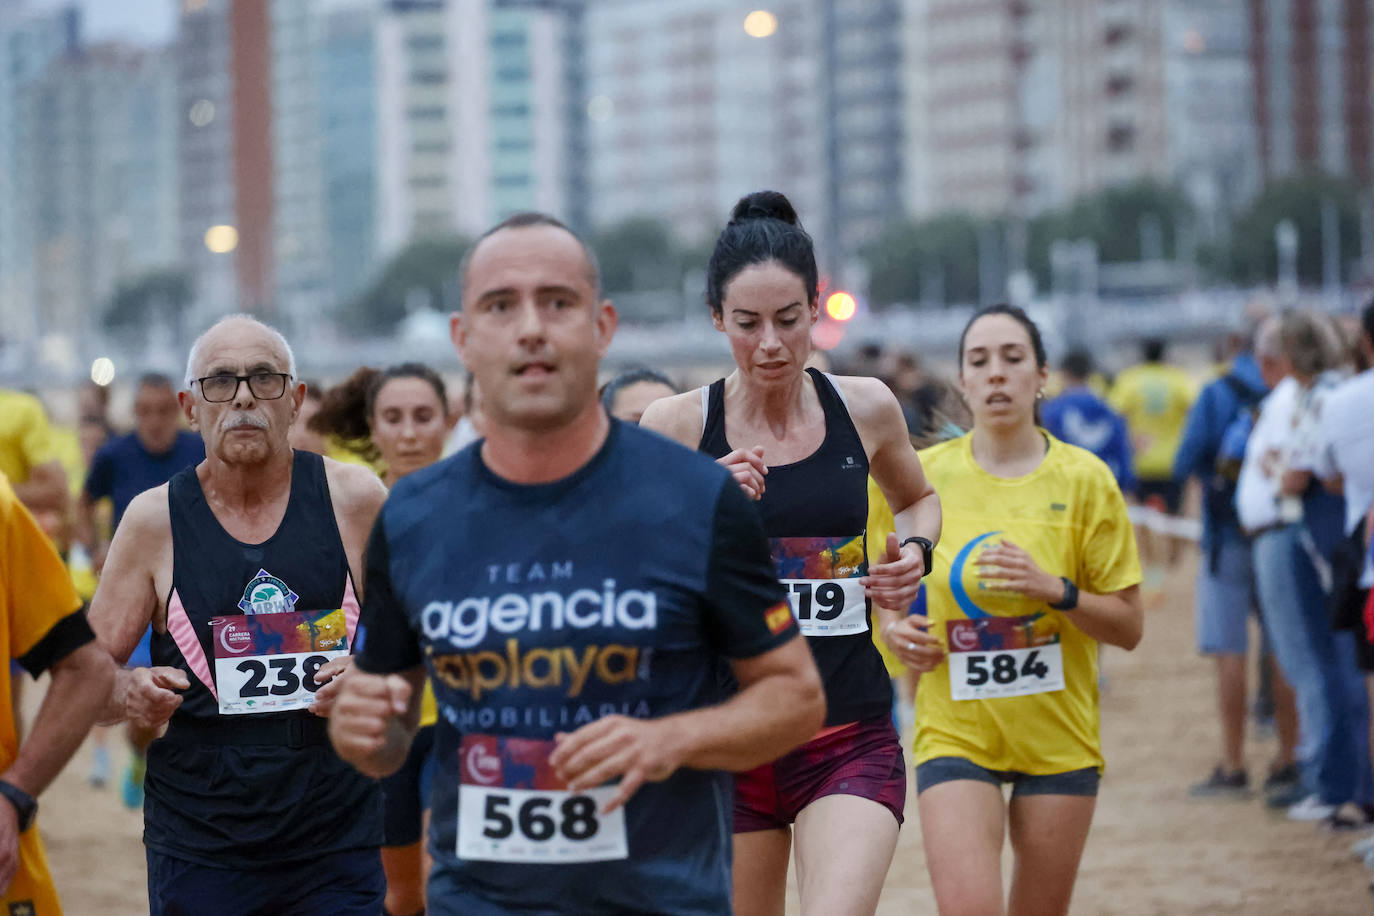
[123,468]
[538,609]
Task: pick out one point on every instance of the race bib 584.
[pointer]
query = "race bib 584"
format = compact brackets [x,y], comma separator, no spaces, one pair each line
[992,657]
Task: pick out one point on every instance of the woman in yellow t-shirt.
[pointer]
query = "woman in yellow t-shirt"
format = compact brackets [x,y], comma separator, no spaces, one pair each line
[402,413]
[1037,565]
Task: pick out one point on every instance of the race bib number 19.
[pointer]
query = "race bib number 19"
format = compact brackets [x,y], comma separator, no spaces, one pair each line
[821,576]
[513,808]
[994,657]
[267,662]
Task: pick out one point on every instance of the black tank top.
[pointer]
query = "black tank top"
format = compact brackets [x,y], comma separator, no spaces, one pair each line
[248,624]
[815,512]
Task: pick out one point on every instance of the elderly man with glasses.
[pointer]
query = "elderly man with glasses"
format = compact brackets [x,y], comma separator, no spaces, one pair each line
[244,565]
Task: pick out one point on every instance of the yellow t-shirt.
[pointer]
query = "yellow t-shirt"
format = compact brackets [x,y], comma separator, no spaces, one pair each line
[35,593]
[25,438]
[880,524]
[1069,515]
[1154,399]
[66,447]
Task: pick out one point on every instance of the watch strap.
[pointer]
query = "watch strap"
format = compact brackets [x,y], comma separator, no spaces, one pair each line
[25,805]
[927,550]
[1070,599]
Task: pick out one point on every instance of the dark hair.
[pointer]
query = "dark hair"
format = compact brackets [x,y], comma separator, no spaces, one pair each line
[624,380]
[155,380]
[1152,349]
[1367,319]
[346,409]
[763,227]
[526,220]
[1077,364]
[1019,315]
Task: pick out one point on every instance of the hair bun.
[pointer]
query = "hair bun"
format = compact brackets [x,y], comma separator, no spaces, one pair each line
[764,205]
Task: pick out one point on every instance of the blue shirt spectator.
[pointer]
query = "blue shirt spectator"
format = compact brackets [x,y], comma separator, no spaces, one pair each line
[1212,414]
[1081,418]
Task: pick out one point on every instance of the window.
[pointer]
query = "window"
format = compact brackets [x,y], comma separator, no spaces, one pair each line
[428,77]
[426,113]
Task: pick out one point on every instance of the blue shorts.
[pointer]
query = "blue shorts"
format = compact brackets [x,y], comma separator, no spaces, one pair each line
[1225,598]
[348,883]
[405,793]
[142,656]
[948,769]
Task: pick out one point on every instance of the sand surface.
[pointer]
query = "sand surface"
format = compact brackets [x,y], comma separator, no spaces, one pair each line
[1152,849]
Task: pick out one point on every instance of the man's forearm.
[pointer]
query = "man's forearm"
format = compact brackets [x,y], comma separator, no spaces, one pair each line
[112,707]
[80,686]
[759,724]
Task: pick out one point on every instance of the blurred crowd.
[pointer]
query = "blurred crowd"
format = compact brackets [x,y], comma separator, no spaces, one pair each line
[1261,465]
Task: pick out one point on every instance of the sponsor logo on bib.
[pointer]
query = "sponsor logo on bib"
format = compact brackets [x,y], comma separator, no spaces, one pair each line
[266,594]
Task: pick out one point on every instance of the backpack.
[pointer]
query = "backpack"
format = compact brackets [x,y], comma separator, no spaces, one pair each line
[1221,487]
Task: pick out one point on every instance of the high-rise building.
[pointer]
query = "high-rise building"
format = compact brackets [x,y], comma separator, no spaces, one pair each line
[692,106]
[1312,86]
[349,107]
[863,46]
[97,156]
[300,234]
[29,40]
[1020,107]
[474,114]
[251,184]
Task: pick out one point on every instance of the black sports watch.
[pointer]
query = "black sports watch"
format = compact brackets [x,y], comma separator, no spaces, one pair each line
[927,549]
[25,805]
[1070,599]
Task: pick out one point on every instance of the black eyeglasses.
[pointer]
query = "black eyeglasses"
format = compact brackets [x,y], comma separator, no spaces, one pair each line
[265,386]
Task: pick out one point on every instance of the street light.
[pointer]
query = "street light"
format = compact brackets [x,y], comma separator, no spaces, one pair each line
[760,24]
[841,306]
[221,239]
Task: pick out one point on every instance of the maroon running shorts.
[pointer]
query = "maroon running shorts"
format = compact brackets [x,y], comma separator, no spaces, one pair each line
[863,759]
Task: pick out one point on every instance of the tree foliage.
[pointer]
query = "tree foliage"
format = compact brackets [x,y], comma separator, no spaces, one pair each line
[1253,255]
[426,267]
[163,293]
[639,254]
[935,259]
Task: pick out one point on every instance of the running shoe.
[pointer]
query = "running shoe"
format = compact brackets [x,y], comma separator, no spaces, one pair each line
[1286,797]
[100,767]
[1349,817]
[1311,808]
[132,789]
[1222,784]
[1281,779]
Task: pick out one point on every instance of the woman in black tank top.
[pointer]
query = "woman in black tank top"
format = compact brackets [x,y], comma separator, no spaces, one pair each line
[803,443]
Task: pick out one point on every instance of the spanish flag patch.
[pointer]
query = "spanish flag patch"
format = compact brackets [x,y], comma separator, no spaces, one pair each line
[778,617]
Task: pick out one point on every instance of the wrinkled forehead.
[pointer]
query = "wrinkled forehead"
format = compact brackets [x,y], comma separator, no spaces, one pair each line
[240,349]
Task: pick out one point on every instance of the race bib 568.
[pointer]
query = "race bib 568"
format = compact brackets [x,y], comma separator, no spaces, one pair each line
[993,657]
[267,662]
[821,576]
[512,807]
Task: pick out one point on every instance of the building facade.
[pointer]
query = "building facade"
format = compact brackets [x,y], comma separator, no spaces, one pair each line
[98,159]
[474,115]
[1312,86]
[29,41]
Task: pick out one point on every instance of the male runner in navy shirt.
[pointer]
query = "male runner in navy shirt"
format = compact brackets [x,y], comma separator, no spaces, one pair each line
[574,586]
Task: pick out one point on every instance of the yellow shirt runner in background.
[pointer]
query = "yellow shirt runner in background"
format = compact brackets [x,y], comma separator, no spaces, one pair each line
[1023,695]
[25,437]
[1154,398]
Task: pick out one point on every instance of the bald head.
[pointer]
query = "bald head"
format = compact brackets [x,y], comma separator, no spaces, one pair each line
[240,329]
[531,220]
